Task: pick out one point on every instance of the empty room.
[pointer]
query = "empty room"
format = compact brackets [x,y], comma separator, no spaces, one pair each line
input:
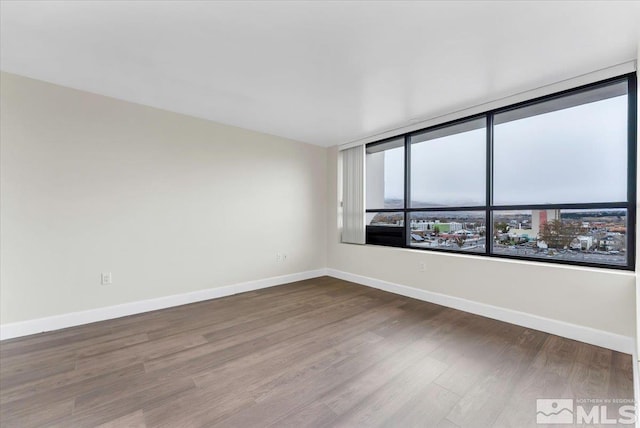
[318,213]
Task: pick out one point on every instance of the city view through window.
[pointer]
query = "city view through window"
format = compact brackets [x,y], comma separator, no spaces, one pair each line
[546,157]
[590,236]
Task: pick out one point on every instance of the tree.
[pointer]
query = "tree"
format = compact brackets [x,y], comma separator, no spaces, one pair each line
[501,227]
[459,239]
[436,230]
[559,234]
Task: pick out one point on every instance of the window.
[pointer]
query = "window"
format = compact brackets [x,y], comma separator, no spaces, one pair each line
[449,230]
[385,193]
[385,174]
[448,166]
[589,236]
[571,149]
[552,179]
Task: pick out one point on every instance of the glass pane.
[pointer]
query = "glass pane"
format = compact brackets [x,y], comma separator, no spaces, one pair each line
[385,175]
[457,230]
[563,150]
[448,166]
[385,219]
[588,236]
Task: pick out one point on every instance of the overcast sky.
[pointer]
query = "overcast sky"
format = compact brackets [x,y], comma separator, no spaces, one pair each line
[572,155]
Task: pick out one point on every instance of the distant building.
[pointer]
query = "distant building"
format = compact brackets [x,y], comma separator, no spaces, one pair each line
[454,226]
[521,234]
[541,217]
[416,237]
[582,243]
[430,226]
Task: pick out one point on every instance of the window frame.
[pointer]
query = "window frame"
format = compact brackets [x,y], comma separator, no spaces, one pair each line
[489,207]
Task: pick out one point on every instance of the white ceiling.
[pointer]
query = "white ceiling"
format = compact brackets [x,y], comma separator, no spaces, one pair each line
[320,72]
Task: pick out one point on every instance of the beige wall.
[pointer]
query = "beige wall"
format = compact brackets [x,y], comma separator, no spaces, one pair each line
[596,298]
[171,204]
[167,203]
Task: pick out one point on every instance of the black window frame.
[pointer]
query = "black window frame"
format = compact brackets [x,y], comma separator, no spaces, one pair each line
[489,208]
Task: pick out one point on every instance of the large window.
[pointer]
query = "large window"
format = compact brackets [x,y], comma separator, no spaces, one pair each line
[448,166]
[385,192]
[552,179]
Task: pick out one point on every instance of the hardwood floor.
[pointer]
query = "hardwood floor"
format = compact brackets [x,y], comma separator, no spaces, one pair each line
[322,352]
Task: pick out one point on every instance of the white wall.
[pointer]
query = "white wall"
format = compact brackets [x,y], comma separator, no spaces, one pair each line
[167,203]
[597,298]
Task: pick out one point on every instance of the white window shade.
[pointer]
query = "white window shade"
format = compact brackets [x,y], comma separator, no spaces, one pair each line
[353,210]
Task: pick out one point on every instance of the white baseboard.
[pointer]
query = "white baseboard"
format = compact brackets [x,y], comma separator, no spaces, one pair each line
[636,379]
[605,339]
[56,322]
[601,338]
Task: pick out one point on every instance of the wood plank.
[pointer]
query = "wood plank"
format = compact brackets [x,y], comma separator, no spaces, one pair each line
[63,388]
[319,352]
[427,408]
[482,404]
[132,420]
[368,408]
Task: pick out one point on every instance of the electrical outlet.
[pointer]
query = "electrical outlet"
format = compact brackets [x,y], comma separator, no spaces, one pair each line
[279,257]
[422,267]
[105,278]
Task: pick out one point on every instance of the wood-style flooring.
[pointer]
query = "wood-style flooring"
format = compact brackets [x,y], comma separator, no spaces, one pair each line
[317,353]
